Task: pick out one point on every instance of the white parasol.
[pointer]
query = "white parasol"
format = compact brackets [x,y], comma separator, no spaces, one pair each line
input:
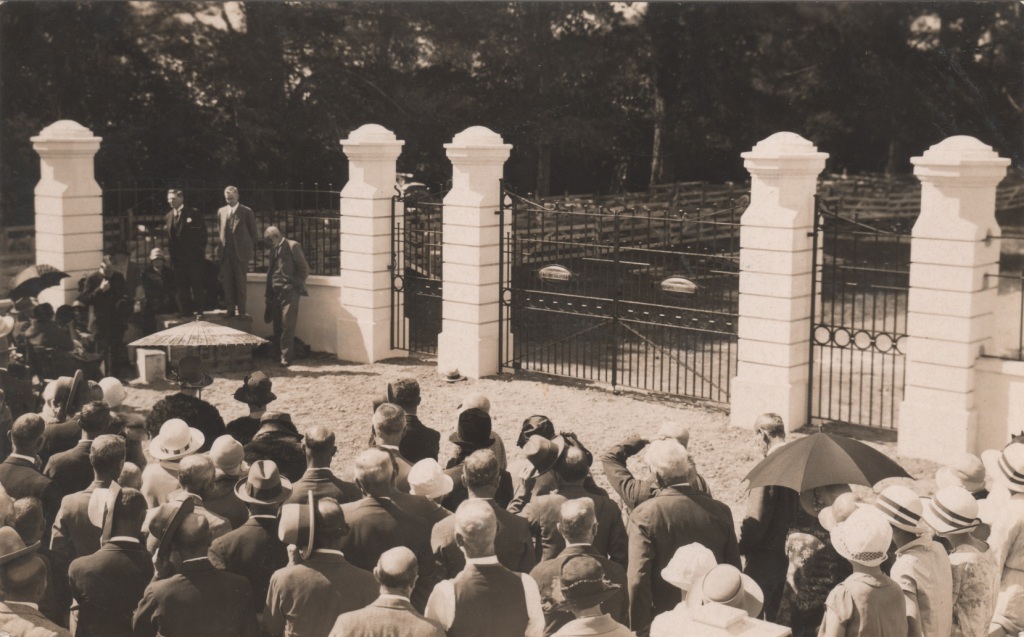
[198,333]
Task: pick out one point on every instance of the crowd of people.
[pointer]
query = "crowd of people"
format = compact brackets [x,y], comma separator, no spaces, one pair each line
[177,523]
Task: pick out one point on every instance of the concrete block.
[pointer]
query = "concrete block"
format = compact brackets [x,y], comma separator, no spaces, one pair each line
[376,207]
[380,280]
[956,253]
[471,235]
[769,373]
[954,379]
[80,263]
[933,433]
[771,307]
[748,399]
[949,277]
[470,274]
[953,303]
[948,328]
[783,354]
[471,313]
[950,354]
[71,243]
[354,297]
[777,285]
[366,244]
[775,262]
[365,226]
[57,206]
[773,331]
[940,398]
[479,256]
[466,293]
[775,239]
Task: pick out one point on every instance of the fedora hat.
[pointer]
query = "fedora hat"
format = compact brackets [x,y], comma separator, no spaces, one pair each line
[582,583]
[176,440]
[256,390]
[902,508]
[6,325]
[228,456]
[1011,465]
[841,509]
[190,373]
[12,546]
[542,453]
[725,584]
[113,391]
[298,524]
[965,471]
[278,421]
[265,484]
[953,510]
[864,537]
[814,501]
[535,426]
[75,393]
[689,564]
[165,524]
[474,430]
[426,478]
[452,376]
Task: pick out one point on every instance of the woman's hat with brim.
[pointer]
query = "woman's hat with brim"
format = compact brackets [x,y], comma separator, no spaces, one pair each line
[264,485]
[12,546]
[582,584]
[842,508]
[542,453]
[474,431]
[864,537]
[535,426]
[256,390]
[228,456]
[426,478]
[689,564]
[190,374]
[298,524]
[725,584]
[6,325]
[902,508]
[176,440]
[113,391]
[952,511]
[1010,463]
[966,471]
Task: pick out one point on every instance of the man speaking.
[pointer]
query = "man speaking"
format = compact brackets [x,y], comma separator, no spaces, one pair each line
[286,282]
[237,236]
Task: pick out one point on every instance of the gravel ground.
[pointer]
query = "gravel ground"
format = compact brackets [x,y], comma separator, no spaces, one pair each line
[322,390]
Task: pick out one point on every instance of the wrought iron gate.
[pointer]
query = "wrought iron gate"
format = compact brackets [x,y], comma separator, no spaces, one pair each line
[858,316]
[416,271]
[642,297]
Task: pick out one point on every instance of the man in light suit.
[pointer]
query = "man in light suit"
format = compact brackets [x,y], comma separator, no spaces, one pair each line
[392,615]
[286,283]
[237,237]
[186,241]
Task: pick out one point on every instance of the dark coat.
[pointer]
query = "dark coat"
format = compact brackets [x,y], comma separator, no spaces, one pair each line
[73,534]
[459,492]
[281,447]
[420,506]
[386,618]
[196,412]
[243,429]
[324,484]
[60,436]
[46,333]
[771,512]
[419,441]
[107,586]
[200,601]
[543,514]
[546,576]
[111,305]
[513,544]
[253,551]
[21,479]
[71,469]
[676,516]
[186,240]
[222,500]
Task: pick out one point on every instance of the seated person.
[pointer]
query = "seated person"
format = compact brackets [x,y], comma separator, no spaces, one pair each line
[43,331]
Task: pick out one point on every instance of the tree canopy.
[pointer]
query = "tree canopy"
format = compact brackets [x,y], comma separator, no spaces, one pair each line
[594,96]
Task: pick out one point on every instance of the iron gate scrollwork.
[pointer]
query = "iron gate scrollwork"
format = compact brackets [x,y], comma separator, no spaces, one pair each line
[631,295]
[416,270]
[858,316]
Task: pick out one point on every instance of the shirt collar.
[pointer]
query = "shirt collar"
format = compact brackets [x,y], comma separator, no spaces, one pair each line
[490,559]
[23,457]
[262,516]
[391,596]
[125,538]
[329,552]
[29,604]
[195,559]
[586,544]
[922,540]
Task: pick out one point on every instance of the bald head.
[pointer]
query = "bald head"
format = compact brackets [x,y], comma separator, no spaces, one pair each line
[476,401]
[675,430]
[196,474]
[373,472]
[27,434]
[331,527]
[475,528]
[396,571]
[669,461]
[577,521]
[193,538]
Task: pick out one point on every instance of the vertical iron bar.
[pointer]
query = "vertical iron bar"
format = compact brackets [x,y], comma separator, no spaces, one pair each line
[501,275]
[615,301]
[815,224]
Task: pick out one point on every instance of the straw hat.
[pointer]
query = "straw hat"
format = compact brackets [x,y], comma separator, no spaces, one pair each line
[725,584]
[113,391]
[102,504]
[1011,465]
[864,537]
[264,485]
[426,478]
[228,457]
[298,524]
[966,470]
[166,520]
[6,325]
[688,566]
[952,511]
[902,508]
[452,376]
[582,583]
[12,546]
[176,440]
[542,453]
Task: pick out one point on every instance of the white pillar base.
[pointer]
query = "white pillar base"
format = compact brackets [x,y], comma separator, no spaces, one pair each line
[936,433]
[365,341]
[748,399]
[468,348]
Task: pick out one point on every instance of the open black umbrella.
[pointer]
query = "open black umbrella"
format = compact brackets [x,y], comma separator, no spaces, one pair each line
[822,459]
[34,279]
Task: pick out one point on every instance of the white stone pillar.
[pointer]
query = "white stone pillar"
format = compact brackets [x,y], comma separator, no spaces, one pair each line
[951,301]
[776,281]
[469,329]
[364,328]
[68,206]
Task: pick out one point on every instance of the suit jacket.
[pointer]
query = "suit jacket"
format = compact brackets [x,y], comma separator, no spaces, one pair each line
[543,515]
[771,512]
[46,333]
[634,491]
[253,551]
[200,601]
[24,621]
[378,524]
[546,575]
[513,544]
[305,599]
[675,517]
[222,500]
[73,534]
[21,479]
[107,587]
[290,263]
[60,436]
[420,506]
[459,492]
[419,441]
[186,239]
[71,469]
[386,617]
[242,228]
[324,484]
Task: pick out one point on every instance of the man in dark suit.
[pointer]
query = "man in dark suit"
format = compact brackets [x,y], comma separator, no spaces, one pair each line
[65,397]
[319,447]
[388,429]
[513,543]
[108,584]
[392,615]
[676,516]
[237,237]
[418,441]
[19,473]
[253,550]
[110,298]
[473,433]
[23,581]
[578,525]
[74,535]
[200,600]
[286,284]
[543,511]
[377,524]
[186,240]
[306,598]
[71,469]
